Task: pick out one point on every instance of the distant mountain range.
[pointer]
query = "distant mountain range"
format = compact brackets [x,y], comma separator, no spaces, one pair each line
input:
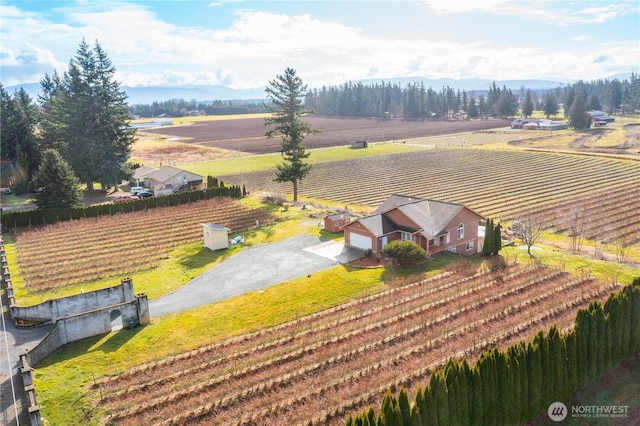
[204,93]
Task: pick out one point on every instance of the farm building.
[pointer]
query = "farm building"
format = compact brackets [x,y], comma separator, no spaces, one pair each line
[335,222]
[166,180]
[434,225]
[216,237]
[359,144]
[600,117]
[544,125]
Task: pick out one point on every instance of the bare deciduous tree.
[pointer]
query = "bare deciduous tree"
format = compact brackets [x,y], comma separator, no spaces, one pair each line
[575,221]
[529,227]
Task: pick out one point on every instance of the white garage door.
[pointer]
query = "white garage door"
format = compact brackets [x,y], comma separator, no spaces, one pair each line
[360,241]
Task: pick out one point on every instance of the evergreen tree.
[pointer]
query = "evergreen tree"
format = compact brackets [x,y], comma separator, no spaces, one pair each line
[527,106]
[61,186]
[633,294]
[286,93]
[550,105]
[86,117]
[18,141]
[476,406]
[534,379]
[489,247]
[416,419]
[571,364]
[441,399]
[578,119]
[405,407]
[594,102]
[472,109]
[497,240]
[421,403]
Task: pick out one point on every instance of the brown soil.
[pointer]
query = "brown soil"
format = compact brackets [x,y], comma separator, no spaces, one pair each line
[248,135]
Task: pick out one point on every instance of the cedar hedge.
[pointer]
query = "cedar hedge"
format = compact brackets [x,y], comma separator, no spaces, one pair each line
[17,219]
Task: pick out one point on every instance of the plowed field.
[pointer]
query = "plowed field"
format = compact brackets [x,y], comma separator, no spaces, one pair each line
[247,135]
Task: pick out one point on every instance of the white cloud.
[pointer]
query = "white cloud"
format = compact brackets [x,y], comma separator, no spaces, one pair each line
[599,14]
[464,6]
[258,45]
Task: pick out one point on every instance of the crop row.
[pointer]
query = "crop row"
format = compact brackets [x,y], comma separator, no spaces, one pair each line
[396,348]
[428,289]
[79,251]
[293,347]
[494,183]
[343,356]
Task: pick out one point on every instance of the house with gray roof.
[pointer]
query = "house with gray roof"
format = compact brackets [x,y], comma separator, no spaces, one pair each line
[167,179]
[434,225]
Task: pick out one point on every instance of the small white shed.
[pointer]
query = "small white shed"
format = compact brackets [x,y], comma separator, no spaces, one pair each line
[215,236]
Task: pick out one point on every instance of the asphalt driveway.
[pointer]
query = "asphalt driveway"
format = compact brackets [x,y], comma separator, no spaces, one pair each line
[253,269]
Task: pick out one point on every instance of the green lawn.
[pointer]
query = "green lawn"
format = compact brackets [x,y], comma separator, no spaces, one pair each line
[263,162]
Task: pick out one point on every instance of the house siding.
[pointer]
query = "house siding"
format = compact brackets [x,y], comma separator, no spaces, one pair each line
[401,220]
[471,221]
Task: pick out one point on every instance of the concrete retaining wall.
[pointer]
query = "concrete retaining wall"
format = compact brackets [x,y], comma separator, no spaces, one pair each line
[74,318]
[71,305]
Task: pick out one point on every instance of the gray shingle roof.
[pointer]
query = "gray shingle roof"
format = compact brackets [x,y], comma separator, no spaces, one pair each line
[430,215]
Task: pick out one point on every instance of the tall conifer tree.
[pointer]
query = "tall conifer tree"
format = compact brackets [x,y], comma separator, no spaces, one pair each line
[286,93]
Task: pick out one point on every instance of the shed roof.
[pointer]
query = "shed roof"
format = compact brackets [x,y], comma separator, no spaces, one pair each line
[215,227]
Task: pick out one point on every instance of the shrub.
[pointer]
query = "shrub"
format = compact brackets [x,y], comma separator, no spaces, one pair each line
[368,253]
[404,252]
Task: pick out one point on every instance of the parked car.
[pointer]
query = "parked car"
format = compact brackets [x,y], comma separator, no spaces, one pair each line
[144,194]
[125,198]
[7,191]
[136,189]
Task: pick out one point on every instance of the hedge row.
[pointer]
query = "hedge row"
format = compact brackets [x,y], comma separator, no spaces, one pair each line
[15,219]
[517,385]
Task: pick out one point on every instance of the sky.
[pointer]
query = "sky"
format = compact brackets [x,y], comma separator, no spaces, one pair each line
[245,44]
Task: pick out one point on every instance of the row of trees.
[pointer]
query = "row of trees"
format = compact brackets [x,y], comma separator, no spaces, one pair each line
[516,385]
[80,123]
[413,101]
[181,108]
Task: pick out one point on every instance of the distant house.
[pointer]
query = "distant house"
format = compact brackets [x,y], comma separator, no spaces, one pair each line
[544,125]
[599,118]
[216,237]
[359,144]
[435,226]
[335,222]
[167,179]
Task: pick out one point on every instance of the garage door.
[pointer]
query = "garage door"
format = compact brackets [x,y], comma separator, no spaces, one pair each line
[360,241]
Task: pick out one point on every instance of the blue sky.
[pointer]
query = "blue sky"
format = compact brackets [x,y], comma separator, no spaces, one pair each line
[245,44]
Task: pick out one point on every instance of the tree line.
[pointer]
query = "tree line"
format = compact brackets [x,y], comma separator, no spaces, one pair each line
[182,108]
[412,102]
[516,385]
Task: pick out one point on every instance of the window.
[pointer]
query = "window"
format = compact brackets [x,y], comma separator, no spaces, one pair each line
[470,246]
[460,231]
[447,238]
[406,236]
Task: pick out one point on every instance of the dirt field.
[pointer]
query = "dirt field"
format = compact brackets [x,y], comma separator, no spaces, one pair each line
[248,135]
